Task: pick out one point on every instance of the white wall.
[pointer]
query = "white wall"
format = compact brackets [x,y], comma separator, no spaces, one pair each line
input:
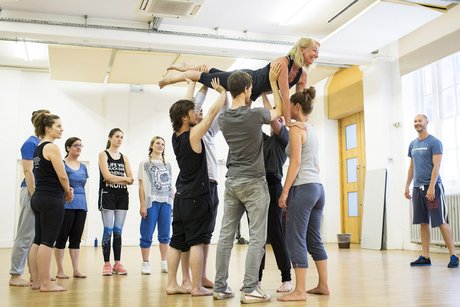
[88,111]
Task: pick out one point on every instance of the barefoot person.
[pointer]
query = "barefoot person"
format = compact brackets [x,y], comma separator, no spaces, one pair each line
[192,212]
[302,54]
[51,189]
[26,223]
[303,196]
[75,211]
[210,146]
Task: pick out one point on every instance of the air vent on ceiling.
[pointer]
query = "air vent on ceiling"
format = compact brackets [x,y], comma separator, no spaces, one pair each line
[171,8]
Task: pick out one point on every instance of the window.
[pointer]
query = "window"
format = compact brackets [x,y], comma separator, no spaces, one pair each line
[435,91]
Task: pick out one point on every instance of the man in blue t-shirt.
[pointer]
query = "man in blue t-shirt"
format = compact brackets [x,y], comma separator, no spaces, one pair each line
[428,193]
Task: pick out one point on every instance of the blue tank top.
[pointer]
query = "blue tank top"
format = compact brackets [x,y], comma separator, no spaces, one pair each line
[46,179]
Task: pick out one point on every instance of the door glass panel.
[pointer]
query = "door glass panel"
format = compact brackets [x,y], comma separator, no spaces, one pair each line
[352,203]
[350,136]
[352,171]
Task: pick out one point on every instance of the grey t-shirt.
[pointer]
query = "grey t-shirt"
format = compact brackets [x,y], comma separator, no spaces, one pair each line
[242,130]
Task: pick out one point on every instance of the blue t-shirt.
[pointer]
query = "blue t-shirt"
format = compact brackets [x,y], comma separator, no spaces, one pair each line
[77,179]
[421,152]
[27,151]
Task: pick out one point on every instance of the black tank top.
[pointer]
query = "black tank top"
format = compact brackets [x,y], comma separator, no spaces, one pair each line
[46,179]
[193,180]
[261,80]
[117,168]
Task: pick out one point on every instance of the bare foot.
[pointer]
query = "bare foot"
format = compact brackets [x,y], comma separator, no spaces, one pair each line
[35,286]
[187,284]
[163,82]
[53,278]
[62,276]
[201,291]
[286,286]
[179,67]
[176,290]
[18,281]
[78,275]
[52,288]
[293,296]
[207,283]
[319,291]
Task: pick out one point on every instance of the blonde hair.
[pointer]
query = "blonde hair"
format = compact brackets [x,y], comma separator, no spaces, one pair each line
[296,53]
[150,147]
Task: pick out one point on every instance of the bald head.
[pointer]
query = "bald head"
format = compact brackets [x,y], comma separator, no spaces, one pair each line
[420,123]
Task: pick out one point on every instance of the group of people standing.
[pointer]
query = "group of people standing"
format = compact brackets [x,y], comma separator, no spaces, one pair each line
[254,175]
[55,186]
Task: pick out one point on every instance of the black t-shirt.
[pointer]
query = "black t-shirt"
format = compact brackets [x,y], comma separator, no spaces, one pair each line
[46,179]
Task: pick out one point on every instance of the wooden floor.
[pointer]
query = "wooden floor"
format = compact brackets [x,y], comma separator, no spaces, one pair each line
[356,278]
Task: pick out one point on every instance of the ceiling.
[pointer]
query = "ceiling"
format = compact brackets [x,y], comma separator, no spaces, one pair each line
[111,41]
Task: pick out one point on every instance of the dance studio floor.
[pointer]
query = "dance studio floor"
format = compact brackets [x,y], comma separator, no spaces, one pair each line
[357,277]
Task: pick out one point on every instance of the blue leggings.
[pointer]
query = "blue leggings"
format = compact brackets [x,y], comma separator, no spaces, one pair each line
[159,213]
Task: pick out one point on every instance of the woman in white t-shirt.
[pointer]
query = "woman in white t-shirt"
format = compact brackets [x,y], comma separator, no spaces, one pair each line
[156,197]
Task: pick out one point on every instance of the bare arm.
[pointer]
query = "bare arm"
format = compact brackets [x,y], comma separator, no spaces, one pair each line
[190,90]
[410,176]
[27,168]
[274,73]
[108,176]
[128,171]
[275,124]
[142,208]
[197,132]
[283,83]
[295,140]
[434,176]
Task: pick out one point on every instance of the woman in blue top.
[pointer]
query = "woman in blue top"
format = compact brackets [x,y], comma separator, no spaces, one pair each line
[75,211]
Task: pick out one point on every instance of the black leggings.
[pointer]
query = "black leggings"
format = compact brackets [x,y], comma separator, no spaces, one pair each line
[72,229]
[49,214]
[275,235]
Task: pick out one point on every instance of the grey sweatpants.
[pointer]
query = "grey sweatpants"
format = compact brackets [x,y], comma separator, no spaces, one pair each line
[24,236]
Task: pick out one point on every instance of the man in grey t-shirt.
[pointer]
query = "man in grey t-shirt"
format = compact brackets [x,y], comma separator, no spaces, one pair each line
[246,187]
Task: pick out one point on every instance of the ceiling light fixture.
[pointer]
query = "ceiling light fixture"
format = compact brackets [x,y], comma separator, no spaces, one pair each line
[297,12]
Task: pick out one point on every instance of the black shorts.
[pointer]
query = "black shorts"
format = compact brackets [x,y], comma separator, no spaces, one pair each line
[191,222]
[113,200]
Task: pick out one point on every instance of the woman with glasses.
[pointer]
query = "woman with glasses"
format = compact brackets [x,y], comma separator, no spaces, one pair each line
[75,211]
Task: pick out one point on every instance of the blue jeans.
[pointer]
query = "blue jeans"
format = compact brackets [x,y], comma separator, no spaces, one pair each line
[250,195]
[159,213]
[303,222]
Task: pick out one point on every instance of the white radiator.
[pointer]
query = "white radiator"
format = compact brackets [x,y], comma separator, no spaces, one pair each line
[453,210]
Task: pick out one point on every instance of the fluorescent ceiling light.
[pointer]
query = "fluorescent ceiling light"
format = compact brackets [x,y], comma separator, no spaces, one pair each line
[295,13]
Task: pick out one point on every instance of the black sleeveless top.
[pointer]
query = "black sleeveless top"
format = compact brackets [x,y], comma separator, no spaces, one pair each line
[261,80]
[46,179]
[117,168]
[193,180]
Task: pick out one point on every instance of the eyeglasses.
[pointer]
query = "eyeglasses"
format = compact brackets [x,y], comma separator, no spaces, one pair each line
[77,145]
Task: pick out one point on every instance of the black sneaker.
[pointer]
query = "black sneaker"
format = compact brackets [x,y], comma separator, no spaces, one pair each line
[453,263]
[422,261]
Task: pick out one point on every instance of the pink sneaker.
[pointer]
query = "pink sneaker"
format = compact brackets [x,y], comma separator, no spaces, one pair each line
[107,269]
[119,269]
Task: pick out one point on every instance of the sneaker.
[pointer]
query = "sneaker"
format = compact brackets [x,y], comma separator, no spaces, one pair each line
[256,296]
[228,293]
[164,266]
[107,269]
[453,263]
[145,269]
[422,261]
[119,269]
